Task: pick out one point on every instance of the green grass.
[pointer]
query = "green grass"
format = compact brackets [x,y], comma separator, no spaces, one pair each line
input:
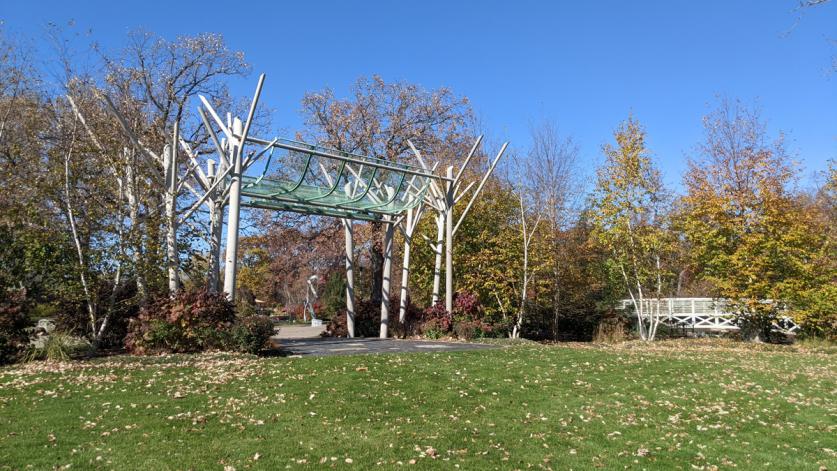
[673,405]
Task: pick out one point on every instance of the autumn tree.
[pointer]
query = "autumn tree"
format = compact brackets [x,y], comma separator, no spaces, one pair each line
[32,257]
[630,223]
[552,180]
[152,82]
[86,190]
[748,235]
[814,304]
[530,218]
[276,263]
[487,254]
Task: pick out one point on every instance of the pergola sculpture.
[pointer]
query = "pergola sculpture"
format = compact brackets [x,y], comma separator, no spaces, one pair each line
[311,179]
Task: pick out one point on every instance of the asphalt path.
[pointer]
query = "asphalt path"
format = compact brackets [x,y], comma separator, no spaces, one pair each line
[343,346]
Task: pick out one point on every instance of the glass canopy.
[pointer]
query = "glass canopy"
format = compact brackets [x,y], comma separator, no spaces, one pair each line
[321,181]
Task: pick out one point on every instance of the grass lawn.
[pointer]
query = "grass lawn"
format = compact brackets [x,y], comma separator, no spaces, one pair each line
[671,405]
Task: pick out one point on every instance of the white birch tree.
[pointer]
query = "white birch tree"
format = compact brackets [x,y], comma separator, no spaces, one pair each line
[629,222]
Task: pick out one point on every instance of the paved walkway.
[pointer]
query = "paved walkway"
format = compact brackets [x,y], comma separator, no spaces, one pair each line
[342,346]
[302,331]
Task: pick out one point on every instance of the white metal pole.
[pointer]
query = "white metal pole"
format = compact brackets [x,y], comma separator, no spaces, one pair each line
[438,248]
[405,267]
[218,235]
[385,285]
[449,243]
[235,212]
[214,264]
[170,156]
[350,277]
[479,187]
[467,160]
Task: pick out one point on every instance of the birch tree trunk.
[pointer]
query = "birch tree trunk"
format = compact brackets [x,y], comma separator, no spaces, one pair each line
[637,303]
[655,319]
[91,308]
[117,277]
[522,310]
[528,234]
[119,171]
[135,231]
[523,290]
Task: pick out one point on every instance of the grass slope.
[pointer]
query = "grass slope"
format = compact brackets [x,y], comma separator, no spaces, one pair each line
[666,406]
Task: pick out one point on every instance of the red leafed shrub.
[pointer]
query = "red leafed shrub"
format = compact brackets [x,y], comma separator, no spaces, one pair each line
[435,321]
[468,317]
[13,323]
[466,305]
[336,327]
[466,321]
[191,321]
[198,308]
[195,321]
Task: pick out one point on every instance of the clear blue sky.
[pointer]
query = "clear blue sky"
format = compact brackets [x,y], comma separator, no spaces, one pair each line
[585,65]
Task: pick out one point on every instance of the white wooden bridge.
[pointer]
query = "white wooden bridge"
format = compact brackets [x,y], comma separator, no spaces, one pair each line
[698,313]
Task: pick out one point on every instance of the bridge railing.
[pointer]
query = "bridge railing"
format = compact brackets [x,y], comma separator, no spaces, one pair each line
[698,313]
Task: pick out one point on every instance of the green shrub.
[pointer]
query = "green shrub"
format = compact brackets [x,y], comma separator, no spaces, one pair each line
[433,329]
[816,312]
[333,296]
[14,319]
[249,334]
[72,316]
[162,336]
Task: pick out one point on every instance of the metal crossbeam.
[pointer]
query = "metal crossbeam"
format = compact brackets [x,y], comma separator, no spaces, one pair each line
[372,189]
[305,148]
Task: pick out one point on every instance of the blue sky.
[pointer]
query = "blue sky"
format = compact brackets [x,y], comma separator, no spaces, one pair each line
[584,65]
